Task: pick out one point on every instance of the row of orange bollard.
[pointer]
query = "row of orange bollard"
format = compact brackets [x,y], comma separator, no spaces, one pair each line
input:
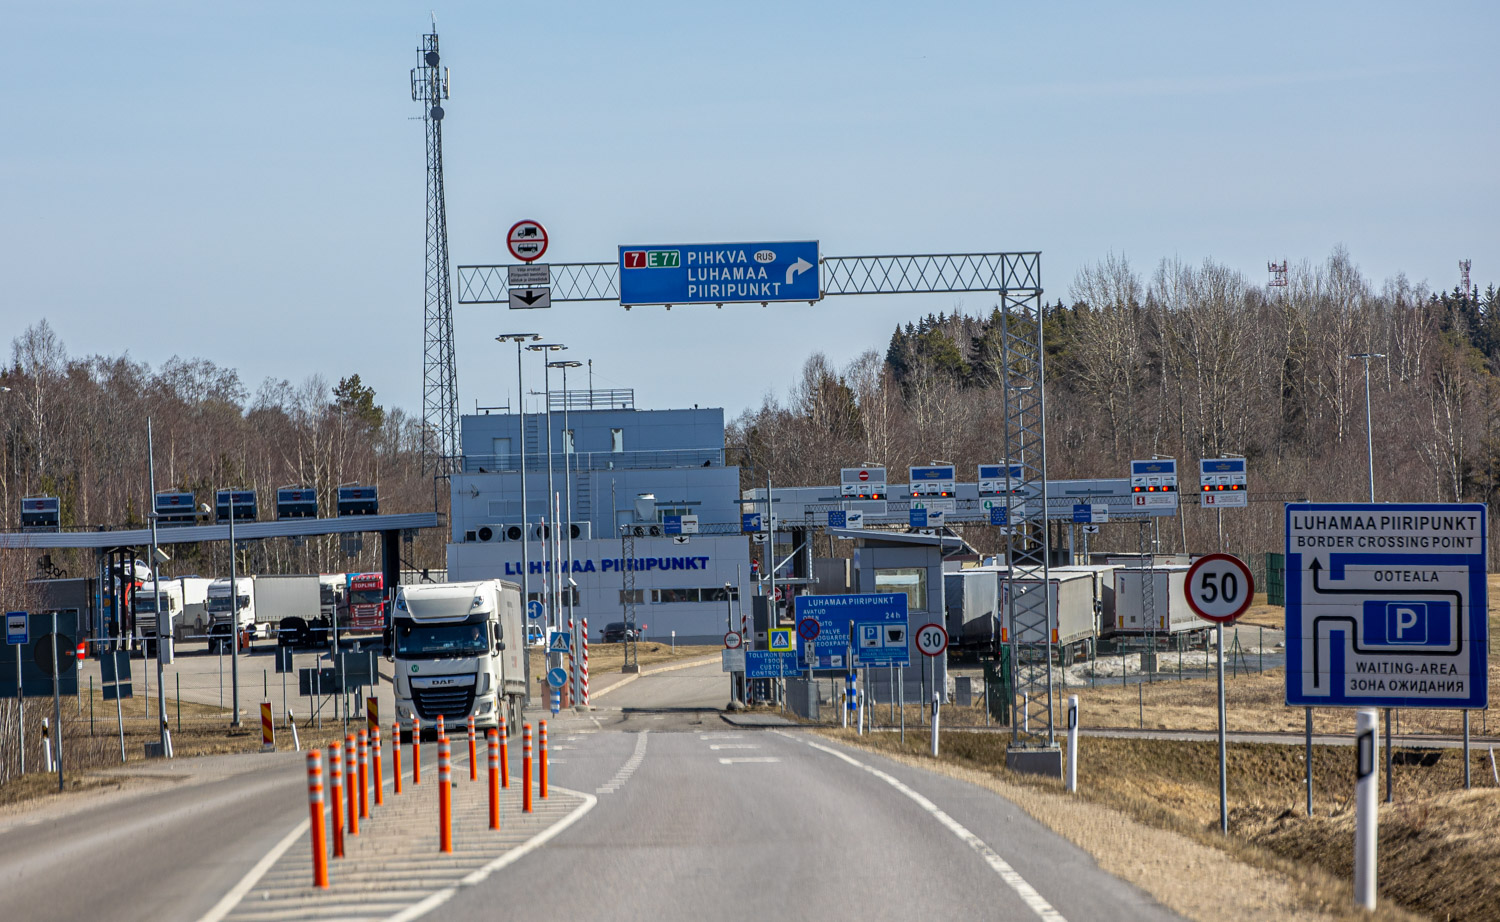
[355,774]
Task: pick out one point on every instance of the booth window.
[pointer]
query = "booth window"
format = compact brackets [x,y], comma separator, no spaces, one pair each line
[910,580]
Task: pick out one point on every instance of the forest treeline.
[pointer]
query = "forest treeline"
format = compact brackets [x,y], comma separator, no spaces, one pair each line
[75,427]
[1190,361]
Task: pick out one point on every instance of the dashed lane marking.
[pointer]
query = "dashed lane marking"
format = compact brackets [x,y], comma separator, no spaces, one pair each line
[733,746]
[1012,878]
[736,760]
[628,769]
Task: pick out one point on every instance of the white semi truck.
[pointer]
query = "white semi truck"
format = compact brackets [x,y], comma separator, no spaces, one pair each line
[220,608]
[146,615]
[459,649]
[289,607]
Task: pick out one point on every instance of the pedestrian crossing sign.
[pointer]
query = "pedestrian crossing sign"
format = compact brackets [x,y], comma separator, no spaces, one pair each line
[781,639]
[562,642]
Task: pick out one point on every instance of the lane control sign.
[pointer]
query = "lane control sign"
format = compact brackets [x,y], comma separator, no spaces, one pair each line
[1386,605]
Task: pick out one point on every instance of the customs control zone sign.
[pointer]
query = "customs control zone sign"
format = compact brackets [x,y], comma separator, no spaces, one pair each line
[1386,605]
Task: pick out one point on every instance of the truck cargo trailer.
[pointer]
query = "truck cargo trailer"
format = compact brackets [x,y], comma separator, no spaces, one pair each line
[1165,612]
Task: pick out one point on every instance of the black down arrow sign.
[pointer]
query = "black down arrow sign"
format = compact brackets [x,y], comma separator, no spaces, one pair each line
[530,297]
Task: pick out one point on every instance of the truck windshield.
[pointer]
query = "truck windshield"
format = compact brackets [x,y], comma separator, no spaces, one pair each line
[146,604]
[220,603]
[464,638]
[366,597]
[326,595]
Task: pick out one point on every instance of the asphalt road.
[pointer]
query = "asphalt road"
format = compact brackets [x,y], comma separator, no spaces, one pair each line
[692,818]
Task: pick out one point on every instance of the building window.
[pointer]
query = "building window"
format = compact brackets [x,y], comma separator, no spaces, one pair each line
[639,597]
[910,580]
[617,440]
[663,511]
[567,441]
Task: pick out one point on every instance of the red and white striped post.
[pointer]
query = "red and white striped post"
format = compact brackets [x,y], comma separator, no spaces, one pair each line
[351,780]
[504,752]
[473,759]
[416,751]
[442,732]
[584,666]
[364,775]
[445,797]
[493,738]
[542,766]
[336,763]
[396,754]
[315,808]
[375,773]
[526,768]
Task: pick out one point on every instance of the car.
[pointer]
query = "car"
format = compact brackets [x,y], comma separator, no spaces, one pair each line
[617,632]
[535,636]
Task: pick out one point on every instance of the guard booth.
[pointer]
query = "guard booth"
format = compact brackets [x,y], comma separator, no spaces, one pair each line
[890,561]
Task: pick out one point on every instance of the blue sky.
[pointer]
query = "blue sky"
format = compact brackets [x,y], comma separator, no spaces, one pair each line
[244,182]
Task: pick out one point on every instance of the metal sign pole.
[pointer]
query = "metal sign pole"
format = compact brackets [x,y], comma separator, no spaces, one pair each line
[119,708]
[21,709]
[1366,815]
[1307,760]
[162,637]
[57,704]
[1223,758]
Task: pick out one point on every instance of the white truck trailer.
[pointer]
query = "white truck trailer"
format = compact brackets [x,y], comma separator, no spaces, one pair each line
[1163,611]
[1071,617]
[195,620]
[287,607]
[459,649]
[220,607]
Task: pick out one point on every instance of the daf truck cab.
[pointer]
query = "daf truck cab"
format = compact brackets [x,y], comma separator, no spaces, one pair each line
[147,617]
[458,649]
[220,609]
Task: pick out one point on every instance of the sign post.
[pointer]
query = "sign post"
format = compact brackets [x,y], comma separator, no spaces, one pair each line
[932,640]
[16,635]
[1219,588]
[1366,810]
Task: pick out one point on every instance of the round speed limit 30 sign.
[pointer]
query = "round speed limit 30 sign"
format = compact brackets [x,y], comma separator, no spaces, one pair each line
[932,640]
[1219,587]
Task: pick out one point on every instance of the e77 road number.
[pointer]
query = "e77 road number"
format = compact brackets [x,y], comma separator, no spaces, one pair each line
[1219,588]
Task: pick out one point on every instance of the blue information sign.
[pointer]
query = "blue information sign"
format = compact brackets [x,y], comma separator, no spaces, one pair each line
[1386,605]
[15,627]
[880,629]
[999,515]
[763,664]
[1083,512]
[917,517]
[719,273]
[750,522]
[837,518]
[671,524]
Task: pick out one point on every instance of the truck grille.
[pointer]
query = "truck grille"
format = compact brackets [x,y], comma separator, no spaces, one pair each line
[451,703]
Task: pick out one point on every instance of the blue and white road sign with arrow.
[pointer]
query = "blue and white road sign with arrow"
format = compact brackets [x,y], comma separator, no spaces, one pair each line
[557,677]
[720,273]
[1386,605]
[534,609]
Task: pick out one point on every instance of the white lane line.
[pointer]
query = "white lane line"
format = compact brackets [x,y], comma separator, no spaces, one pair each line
[737,760]
[628,769]
[516,854]
[1024,890]
[733,746]
[253,876]
[721,736]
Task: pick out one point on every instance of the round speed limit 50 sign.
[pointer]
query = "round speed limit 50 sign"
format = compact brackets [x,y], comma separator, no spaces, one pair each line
[1219,587]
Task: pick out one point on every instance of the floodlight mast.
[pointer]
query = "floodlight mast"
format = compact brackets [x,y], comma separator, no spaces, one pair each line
[440,419]
[519,339]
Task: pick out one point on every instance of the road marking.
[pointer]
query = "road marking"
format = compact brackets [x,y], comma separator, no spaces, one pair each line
[1024,890]
[236,893]
[733,746]
[628,769]
[721,736]
[735,760]
[510,857]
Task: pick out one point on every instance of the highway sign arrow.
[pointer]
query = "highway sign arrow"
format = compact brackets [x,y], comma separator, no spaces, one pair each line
[530,298]
[796,269]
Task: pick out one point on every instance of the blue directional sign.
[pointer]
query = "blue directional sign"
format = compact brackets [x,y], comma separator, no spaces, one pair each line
[939,472]
[562,642]
[1386,605]
[880,628]
[15,628]
[763,664]
[917,517]
[838,518]
[557,677]
[671,524]
[720,273]
[750,522]
[535,609]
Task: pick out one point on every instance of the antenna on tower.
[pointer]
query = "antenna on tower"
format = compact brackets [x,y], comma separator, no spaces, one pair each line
[1463,275]
[1278,274]
[429,86]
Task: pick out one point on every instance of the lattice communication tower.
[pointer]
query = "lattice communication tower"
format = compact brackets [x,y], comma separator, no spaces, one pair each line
[429,86]
[1463,275]
[1278,274]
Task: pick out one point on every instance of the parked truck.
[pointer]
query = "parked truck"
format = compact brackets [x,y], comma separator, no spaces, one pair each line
[195,619]
[1071,616]
[290,606]
[1164,610]
[366,601]
[459,649]
[147,617]
[972,597]
[219,606]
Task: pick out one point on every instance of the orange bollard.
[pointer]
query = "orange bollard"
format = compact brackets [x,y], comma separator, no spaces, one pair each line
[526,768]
[542,766]
[364,775]
[379,783]
[493,738]
[473,761]
[351,779]
[335,762]
[315,808]
[416,752]
[396,754]
[504,753]
[445,797]
[442,731]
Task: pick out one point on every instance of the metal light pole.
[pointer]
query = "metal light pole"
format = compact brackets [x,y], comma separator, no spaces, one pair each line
[567,535]
[161,681]
[1369,434]
[518,339]
[553,617]
[234,614]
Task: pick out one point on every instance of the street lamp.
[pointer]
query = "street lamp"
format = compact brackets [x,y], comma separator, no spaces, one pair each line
[519,339]
[1369,435]
[163,639]
[568,450]
[554,585]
